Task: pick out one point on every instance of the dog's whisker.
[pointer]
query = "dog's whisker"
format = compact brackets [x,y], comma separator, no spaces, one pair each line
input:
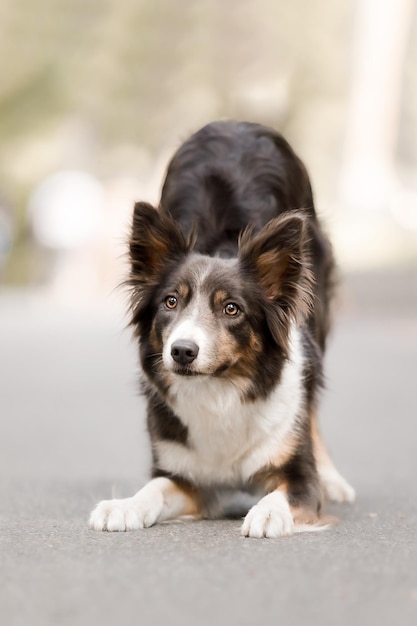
[152,355]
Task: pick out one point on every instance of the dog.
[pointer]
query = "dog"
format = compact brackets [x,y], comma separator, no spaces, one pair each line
[231,283]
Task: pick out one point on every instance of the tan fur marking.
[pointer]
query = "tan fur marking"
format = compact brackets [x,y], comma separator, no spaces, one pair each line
[220,297]
[244,367]
[183,291]
[304,514]
[335,487]
[320,451]
[286,449]
[226,347]
[271,280]
[268,479]
[155,341]
[158,250]
[192,500]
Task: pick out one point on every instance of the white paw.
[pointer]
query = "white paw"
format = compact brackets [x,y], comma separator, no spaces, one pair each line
[335,487]
[140,511]
[271,517]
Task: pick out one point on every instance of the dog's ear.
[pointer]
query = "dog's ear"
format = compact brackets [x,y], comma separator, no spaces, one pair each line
[155,240]
[277,256]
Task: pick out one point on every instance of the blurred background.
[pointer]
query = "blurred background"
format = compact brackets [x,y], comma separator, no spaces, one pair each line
[95,95]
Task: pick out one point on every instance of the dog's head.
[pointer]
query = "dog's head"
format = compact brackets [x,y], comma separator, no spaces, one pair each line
[207,316]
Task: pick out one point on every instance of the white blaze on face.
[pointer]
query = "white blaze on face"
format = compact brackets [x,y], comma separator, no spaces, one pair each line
[198,323]
[191,327]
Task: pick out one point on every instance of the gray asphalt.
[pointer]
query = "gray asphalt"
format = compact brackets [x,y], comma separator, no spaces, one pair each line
[72,432]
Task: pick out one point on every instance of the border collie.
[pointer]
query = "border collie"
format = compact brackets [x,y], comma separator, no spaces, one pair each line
[231,280]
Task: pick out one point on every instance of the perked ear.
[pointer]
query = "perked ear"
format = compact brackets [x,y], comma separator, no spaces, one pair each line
[154,241]
[278,258]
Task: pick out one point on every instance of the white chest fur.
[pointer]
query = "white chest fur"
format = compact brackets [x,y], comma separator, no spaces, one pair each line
[230,440]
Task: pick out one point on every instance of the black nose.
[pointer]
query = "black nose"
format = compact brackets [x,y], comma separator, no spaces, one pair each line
[184,351]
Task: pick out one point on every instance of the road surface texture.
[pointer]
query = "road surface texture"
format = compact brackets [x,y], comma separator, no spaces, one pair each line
[72,433]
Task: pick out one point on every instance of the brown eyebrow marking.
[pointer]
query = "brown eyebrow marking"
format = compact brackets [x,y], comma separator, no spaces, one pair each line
[183,290]
[219,297]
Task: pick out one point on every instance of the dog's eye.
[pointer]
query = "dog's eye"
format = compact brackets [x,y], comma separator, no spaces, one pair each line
[231,309]
[171,302]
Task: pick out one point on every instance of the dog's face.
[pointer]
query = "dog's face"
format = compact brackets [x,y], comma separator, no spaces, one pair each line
[205,321]
[203,316]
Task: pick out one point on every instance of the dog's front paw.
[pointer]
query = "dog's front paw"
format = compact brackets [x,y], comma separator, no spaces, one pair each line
[271,517]
[114,515]
[335,487]
[140,511]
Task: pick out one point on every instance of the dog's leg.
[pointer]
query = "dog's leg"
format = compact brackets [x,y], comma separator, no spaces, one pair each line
[280,513]
[161,499]
[335,487]
[294,502]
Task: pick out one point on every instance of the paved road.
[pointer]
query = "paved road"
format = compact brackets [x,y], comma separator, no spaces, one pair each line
[72,433]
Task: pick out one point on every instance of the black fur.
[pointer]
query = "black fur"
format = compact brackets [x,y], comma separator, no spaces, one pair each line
[230,175]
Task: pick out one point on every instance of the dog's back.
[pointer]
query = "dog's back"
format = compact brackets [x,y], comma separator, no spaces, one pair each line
[230,175]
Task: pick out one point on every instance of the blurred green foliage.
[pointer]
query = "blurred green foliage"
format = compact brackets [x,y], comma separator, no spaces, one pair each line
[111,86]
[143,70]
